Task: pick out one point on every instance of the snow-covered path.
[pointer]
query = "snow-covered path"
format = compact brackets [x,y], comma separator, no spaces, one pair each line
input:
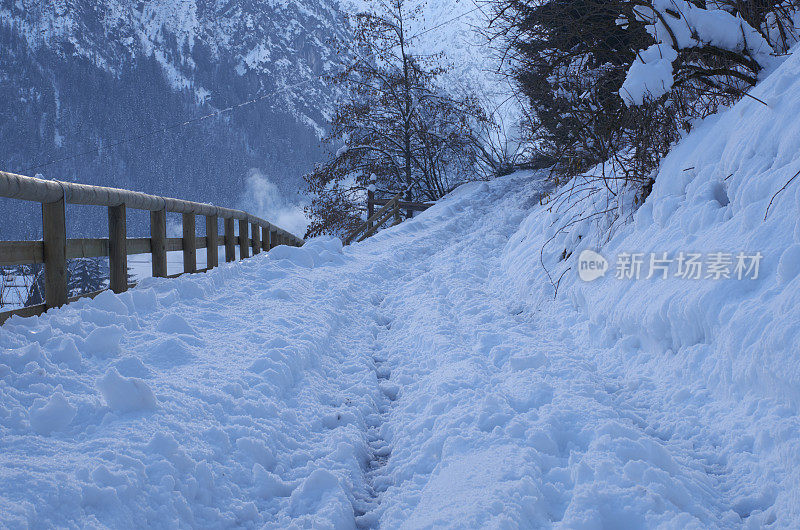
[504,415]
[402,382]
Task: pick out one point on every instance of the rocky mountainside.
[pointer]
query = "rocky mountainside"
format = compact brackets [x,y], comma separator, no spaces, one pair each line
[80,75]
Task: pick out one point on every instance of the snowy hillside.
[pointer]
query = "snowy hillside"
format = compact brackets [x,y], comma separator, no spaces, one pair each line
[279,43]
[432,376]
[718,357]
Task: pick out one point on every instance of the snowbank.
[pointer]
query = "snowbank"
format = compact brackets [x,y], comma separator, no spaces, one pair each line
[736,340]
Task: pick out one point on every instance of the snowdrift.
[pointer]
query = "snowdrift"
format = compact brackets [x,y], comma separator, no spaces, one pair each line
[720,190]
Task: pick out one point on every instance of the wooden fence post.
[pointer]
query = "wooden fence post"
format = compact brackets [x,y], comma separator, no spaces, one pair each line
[373,181]
[158,242]
[370,206]
[273,238]
[265,238]
[189,243]
[230,241]
[256,239]
[244,240]
[54,225]
[212,243]
[118,248]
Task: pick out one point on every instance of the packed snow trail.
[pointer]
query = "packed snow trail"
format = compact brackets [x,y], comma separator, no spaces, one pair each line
[400,383]
[503,418]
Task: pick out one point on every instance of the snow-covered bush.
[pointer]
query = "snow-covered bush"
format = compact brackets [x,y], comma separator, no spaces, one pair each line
[709,50]
[611,86]
[569,60]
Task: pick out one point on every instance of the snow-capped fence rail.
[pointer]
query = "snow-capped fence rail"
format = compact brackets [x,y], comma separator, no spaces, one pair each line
[55,249]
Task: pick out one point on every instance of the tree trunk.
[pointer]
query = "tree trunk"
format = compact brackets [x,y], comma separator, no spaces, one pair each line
[408,109]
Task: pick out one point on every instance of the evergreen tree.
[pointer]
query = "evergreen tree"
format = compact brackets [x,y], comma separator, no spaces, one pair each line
[87,275]
[36,289]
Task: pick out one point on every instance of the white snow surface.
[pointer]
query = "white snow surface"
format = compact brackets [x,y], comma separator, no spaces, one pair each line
[429,377]
[650,75]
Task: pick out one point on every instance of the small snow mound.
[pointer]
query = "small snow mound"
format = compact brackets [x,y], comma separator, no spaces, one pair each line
[315,253]
[299,257]
[132,367]
[256,451]
[126,394]
[190,288]
[163,443]
[143,300]
[67,354]
[103,342]
[18,359]
[110,302]
[173,323]
[268,485]
[322,495]
[323,243]
[51,415]
[169,353]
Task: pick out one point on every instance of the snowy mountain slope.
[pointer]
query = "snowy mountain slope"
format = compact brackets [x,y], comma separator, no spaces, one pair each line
[429,377]
[77,75]
[282,43]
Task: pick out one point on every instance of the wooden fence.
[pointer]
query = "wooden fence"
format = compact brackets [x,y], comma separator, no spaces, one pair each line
[55,249]
[390,208]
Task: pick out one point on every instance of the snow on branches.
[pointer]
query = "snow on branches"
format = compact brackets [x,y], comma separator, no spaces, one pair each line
[728,45]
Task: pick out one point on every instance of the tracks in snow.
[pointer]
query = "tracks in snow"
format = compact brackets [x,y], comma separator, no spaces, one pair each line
[378,445]
[506,412]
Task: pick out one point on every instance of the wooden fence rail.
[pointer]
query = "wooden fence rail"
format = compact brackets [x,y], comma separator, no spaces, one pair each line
[390,208]
[55,249]
[367,228]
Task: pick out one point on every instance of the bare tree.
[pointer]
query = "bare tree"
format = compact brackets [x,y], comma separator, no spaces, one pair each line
[395,123]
